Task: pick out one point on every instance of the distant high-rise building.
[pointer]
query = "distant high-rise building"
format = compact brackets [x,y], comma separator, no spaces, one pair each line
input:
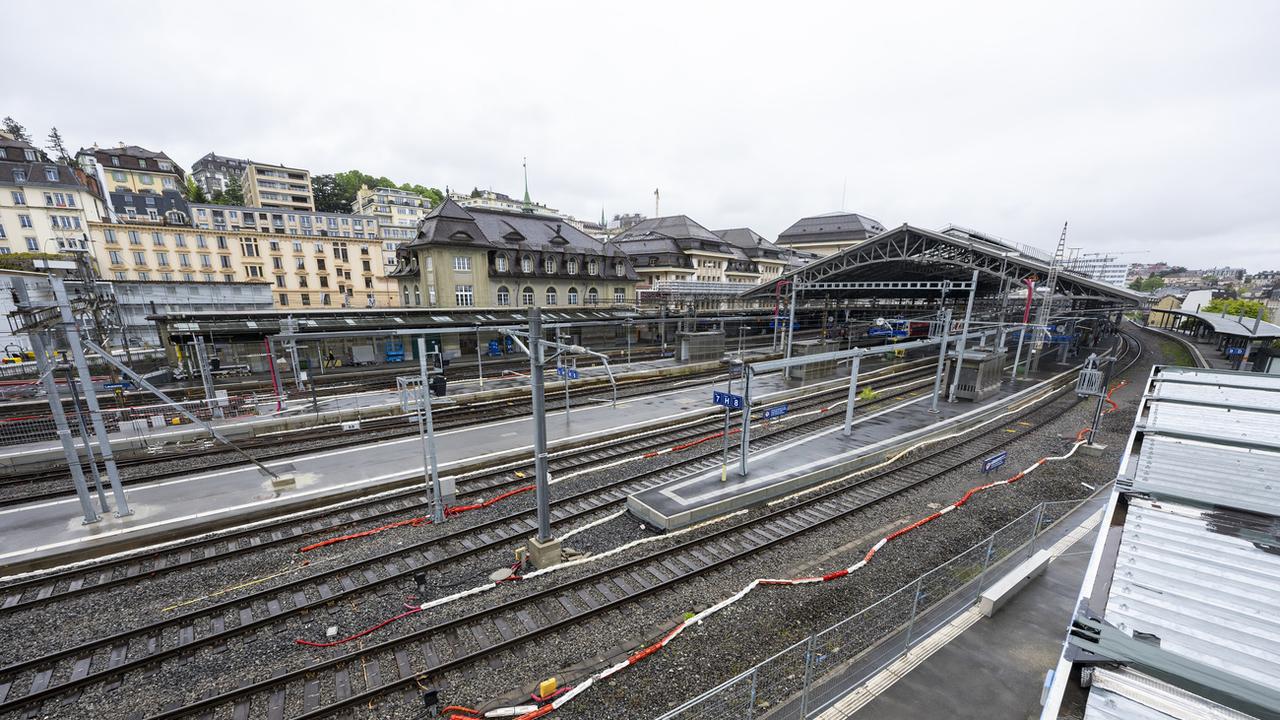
[213,172]
[1100,266]
[277,186]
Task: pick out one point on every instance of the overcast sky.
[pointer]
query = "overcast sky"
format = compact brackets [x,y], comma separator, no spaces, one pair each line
[1149,126]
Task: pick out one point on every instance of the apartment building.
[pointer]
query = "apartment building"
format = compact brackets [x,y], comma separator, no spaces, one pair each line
[127,171]
[678,249]
[771,260]
[207,216]
[277,186]
[490,257]
[829,233]
[398,213]
[213,172]
[302,271]
[44,206]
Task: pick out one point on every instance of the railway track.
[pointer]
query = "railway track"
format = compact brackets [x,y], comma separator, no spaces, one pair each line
[121,653]
[330,685]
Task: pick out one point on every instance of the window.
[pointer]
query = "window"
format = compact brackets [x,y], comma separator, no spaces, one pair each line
[134,238]
[30,155]
[254,271]
[144,276]
[549,264]
[33,245]
[593,296]
[573,296]
[619,295]
[273,246]
[167,182]
[188,277]
[297,246]
[417,295]
[368,283]
[19,197]
[365,265]
[157,239]
[167,277]
[526,296]
[504,296]
[551,296]
[225,262]
[592,267]
[179,240]
[302,281]
[299,264]
[463,296]
[184,260]
[201,243]
[284,299]
[306,298]
[51,174]
[162,258]
[144,178]
[142,163]
[115,161]
[222,242]
[324,299]
[572,266]
[24,221]
[19,175]
[617,267]
[431,295]
[320,264]
[324,281]
[500,263]
[249,246]
[280,281]
[122,275]
[139,258]
[110,235]
[277,263]
[204,261]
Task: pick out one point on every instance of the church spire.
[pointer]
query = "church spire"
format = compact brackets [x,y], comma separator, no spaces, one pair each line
[528,204]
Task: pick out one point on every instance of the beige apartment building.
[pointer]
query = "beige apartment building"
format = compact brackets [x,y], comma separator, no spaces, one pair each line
[44,206]
[277,186]
[303,271]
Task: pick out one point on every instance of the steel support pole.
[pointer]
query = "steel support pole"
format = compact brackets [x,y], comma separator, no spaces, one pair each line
[791,325]
[942,359]
[88,448]
[210,395]
[724,458]
[293,356]
[1017,355]
[746,418]
[59,417]
[479,360]
[427,433]
[964,331]
[541,488]
[72,330]
[854,362]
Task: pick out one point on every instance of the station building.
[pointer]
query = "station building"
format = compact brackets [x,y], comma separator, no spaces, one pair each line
[829,233]
[498,258]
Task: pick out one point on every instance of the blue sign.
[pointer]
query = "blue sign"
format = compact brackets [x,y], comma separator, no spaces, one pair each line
[118,386]
[995,461]
[573,374]
[776,411]
[733,402]
[1232,351]
[560,371]
[495,348]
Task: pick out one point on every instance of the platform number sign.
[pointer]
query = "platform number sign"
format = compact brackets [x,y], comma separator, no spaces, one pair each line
[733,402]
[776,411]
[995,461]
[573,374]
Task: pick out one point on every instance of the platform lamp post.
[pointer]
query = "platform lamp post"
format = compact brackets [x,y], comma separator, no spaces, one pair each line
[627,326]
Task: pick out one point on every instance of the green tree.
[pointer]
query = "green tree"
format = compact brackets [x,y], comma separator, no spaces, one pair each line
[194,192]
[234,194]
[1248,308]
[325,190]
[15,128]
[57,148]
[1148,284]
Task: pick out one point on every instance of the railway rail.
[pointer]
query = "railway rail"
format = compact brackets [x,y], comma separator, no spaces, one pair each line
[319,688]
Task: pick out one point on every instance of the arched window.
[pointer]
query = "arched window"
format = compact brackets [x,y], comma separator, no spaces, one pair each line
[593,296]
[405,291]
[504,296]
[617,268]
[592,267]
[573,296]
[551,296]
[526,264]
[526,296]
[572,266]
[500,263]
[417,295]
[549,264]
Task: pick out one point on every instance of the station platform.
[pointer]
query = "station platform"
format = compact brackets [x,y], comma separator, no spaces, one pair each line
[987,667]
[792,466]
[49,533]
[302,413]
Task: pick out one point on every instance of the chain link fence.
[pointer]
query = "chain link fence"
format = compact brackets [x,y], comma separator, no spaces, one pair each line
[808,677]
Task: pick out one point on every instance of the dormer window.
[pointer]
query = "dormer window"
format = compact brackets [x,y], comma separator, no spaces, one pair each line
[617,268]
[572,266]
[500,263]
[115,161]
[526,265]
[30,155]
[549,265]
[592,267]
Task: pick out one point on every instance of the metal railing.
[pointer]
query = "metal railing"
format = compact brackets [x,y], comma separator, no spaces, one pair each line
[808,677]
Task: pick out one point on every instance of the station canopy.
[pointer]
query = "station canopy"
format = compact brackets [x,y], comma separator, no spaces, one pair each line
[908,253]
[1232,325]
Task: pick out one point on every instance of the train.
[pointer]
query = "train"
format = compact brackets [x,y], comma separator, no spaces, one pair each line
[898,328]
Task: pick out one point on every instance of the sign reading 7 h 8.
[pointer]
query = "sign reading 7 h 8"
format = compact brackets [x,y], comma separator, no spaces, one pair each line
[733,402]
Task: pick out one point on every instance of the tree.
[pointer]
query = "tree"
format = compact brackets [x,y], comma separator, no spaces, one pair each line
[193,192]
[1248,308]
[1148,284]
[14,128]
[57,148]
[234,194]
[327,196]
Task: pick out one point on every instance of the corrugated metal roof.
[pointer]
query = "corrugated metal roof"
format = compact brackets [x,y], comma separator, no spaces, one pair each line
[1209,474]
[1213,422]
[1205,582]
[1218,395]
[1124,694]
[1219,377]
